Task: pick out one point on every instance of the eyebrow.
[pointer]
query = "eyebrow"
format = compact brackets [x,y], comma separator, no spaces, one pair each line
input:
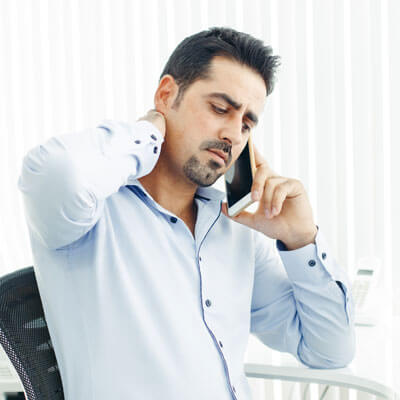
[223,96]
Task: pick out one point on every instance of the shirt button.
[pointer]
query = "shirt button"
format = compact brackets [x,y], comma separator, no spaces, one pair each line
[208,303]
[173,219]
[233,388]
[311,263]
[155,149]
[220,343]
[137,141]
[323,256]
[153,137]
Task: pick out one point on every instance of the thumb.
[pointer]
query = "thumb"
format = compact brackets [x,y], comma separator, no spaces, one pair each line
[243,217]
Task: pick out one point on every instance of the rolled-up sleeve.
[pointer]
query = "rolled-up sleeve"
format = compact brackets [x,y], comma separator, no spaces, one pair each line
[302,303]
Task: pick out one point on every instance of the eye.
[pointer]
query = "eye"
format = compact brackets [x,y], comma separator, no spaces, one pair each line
[218,110]
[246,127]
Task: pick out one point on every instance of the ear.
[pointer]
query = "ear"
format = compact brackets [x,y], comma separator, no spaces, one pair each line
[165,94]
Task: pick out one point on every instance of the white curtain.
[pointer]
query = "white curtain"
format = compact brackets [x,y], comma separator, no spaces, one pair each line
[331,121]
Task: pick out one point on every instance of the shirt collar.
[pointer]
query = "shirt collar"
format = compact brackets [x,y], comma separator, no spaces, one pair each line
[210,193]
[205,193]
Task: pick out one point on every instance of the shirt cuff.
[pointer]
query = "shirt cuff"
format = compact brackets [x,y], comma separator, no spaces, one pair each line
[313,260]
[137,145]
[314,264]
[148,128]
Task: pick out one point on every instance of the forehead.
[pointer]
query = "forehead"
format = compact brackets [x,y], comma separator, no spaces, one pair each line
[240,82]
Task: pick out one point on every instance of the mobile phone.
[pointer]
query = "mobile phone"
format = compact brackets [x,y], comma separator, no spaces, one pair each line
[239,180]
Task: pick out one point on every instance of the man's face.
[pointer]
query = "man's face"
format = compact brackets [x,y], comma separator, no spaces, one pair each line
[216,114]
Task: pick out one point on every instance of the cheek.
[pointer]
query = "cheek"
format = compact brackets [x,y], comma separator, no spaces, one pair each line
[191,127]
[203,121]
[196,130]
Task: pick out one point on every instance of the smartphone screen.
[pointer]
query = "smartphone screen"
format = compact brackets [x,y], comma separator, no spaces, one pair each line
[238,178]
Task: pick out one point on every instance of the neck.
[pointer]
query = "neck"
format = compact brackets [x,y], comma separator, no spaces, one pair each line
[171,191]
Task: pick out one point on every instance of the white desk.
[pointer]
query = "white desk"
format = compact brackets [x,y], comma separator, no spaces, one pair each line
[373,370]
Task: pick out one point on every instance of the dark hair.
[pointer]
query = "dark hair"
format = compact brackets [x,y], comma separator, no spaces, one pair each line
[191,59]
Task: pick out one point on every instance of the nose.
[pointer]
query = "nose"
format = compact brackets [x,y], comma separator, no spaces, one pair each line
[232,132]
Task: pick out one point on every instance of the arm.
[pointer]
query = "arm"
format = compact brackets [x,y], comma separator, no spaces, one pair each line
[65,181]
[301,299]
[300,307]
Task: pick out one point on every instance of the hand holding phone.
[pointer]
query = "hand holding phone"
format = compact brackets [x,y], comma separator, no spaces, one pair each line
[284,211]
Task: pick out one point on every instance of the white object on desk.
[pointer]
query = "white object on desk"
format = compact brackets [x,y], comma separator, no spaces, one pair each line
[364,291]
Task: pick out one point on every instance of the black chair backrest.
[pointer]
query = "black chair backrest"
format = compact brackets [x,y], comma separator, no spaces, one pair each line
[25,337]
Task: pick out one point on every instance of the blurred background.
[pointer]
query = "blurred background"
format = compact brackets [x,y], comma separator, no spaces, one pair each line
[65,65]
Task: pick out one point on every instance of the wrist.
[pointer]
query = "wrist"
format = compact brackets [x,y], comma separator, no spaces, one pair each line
[296,241]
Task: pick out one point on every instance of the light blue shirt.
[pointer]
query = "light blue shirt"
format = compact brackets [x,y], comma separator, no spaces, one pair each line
[138,308]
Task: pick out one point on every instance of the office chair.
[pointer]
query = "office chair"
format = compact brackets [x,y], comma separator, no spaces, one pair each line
[25,337]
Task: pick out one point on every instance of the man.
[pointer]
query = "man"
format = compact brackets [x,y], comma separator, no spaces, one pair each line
[150,290]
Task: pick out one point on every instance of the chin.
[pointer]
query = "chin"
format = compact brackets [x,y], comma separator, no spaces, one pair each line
[207,185]
[205,181]
[202,175]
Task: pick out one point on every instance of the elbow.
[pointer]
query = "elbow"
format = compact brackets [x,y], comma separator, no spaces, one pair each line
[58,207]
[340,360]
[336,354]
[327,361]
[40,164]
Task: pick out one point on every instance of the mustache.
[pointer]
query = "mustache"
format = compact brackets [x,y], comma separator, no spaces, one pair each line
[223,146]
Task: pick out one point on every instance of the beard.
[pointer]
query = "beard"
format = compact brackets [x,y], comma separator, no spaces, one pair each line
[201,175]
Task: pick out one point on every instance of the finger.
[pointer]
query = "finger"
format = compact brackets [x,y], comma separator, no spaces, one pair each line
[257,188]
[292,188]
[243,217]
[263,173]
[267,197]
[280,193]
[258,158]
[155,111]
[268,194]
